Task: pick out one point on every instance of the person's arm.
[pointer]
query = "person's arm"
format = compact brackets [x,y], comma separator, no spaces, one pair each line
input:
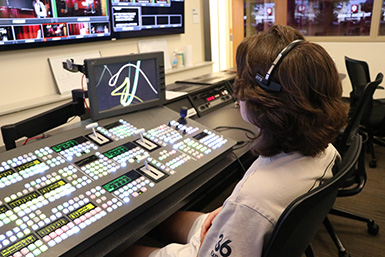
[207,224]
[209,220]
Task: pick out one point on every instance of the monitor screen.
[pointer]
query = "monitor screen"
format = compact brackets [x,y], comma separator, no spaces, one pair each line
[138,18]
[123,84]
[32,23]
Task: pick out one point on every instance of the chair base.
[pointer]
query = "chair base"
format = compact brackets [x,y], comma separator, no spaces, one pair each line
[373,228]
[329,227]
[379,141]
[370,148]
[309,251]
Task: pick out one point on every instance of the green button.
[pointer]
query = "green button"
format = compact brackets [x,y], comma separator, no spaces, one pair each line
[43,248]
[38,243]
[36,252]
[31,247]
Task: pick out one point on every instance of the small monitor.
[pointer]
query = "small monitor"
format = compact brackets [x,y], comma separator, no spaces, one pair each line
[123,84]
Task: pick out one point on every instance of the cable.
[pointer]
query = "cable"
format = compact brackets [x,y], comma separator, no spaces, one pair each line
[32,138]
[241,144]
[238,128]
[240,163]
[74,117]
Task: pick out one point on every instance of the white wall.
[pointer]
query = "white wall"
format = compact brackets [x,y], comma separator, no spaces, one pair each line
[371,52]
[27,81]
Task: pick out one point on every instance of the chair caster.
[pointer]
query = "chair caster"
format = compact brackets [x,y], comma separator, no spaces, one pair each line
[373,228]
[373,164]
[343,254]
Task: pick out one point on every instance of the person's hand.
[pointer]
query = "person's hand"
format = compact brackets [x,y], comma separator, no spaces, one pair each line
[208,221]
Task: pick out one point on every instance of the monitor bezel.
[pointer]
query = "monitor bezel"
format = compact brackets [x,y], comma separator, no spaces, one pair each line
[95,113]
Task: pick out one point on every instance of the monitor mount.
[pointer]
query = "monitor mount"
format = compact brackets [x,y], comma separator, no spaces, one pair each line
[72,67]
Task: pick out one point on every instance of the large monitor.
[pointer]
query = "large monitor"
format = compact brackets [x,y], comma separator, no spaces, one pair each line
[133,18]
[37,23]
[122,84]
[32,23]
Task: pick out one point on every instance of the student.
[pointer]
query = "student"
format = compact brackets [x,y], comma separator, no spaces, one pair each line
[298,111]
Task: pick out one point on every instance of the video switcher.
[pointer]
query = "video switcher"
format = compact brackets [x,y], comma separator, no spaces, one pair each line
[59,192]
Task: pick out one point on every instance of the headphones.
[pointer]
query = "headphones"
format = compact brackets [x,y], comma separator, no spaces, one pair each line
[265,82]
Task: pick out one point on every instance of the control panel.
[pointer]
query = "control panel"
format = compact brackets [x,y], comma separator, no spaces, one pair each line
[58,192]
[211,98]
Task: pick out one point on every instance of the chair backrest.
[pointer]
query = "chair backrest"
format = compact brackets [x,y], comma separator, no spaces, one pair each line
[301,220]
[358,72]
[358,114]
[43,122]
[356,182]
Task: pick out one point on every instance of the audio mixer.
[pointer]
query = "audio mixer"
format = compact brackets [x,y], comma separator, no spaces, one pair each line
[58,192]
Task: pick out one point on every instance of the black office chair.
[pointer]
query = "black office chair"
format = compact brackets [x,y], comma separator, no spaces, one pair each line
[357,179]
[302,218]
[43,122]
[373,121]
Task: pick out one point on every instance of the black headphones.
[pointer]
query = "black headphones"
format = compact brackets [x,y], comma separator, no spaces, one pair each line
[265,82]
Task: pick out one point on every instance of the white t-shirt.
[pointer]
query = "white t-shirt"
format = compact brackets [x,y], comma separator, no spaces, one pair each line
[250,213]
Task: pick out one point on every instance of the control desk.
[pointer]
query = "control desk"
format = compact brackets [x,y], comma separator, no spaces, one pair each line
[63,194]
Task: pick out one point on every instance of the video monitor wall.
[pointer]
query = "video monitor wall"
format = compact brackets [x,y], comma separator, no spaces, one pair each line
[133,18]
[338,18]
[36,23]
[262,15]
[30,23]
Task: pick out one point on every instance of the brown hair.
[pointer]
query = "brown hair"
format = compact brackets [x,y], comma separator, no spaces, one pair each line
[308,113]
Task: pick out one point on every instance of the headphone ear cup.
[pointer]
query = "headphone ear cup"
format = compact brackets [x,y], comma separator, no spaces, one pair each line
[274,86]
[267,84]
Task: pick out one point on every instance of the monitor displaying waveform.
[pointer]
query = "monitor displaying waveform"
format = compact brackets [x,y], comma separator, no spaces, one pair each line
[122,84]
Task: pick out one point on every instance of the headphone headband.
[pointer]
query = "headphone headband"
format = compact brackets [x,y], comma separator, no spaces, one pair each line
[264,82]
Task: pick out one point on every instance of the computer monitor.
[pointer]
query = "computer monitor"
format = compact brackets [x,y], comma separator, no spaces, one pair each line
[123,84]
